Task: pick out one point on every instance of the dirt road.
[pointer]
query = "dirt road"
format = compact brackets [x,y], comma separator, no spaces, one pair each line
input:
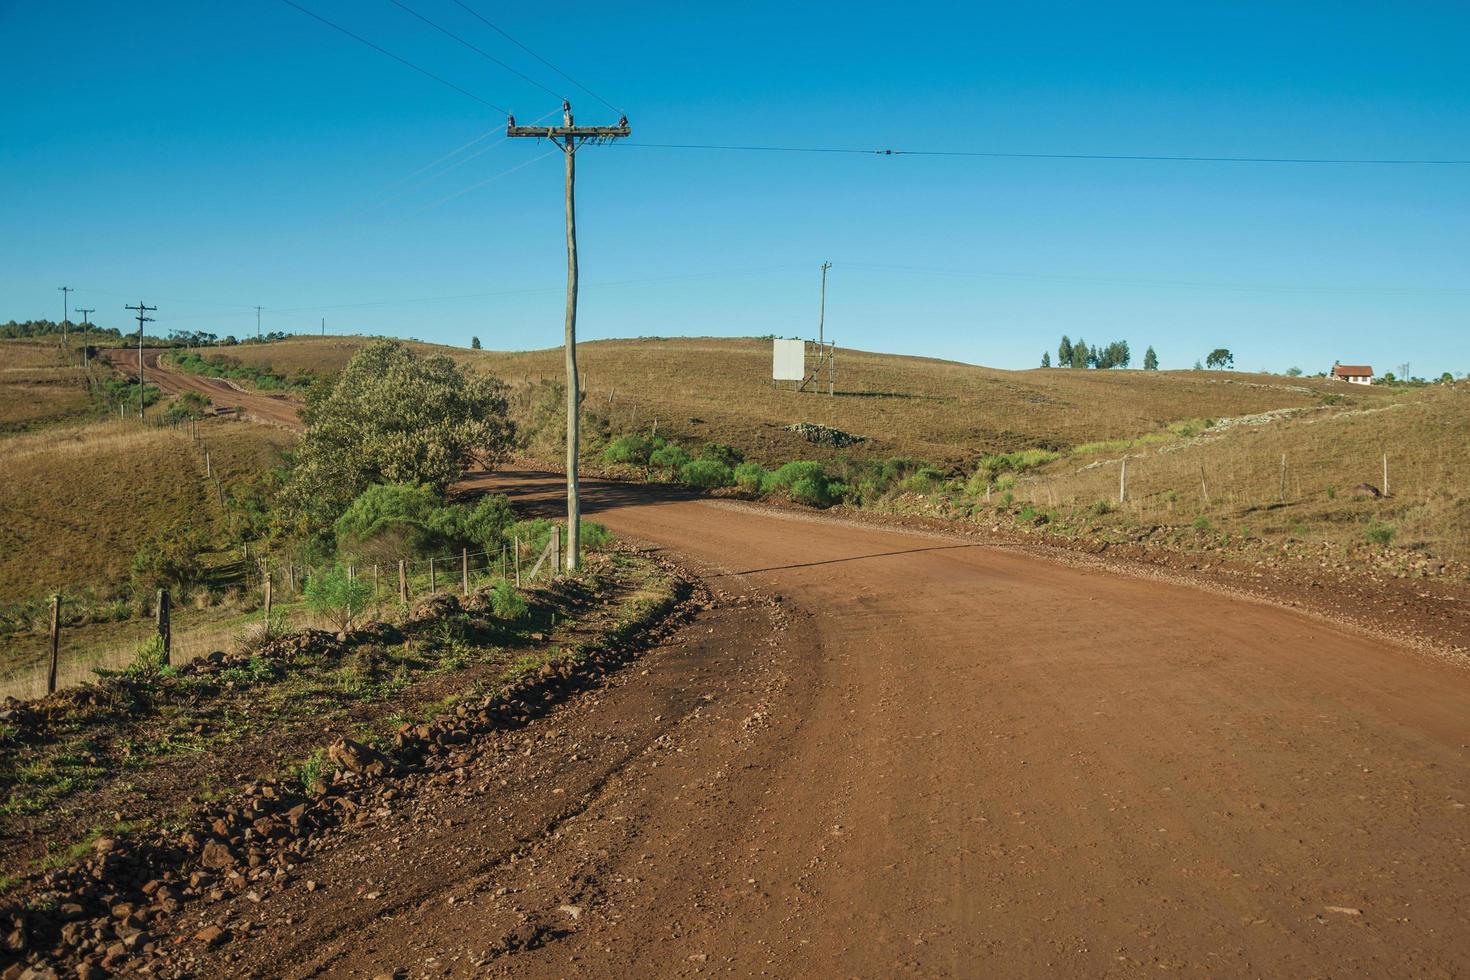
[925,758]
[221,393]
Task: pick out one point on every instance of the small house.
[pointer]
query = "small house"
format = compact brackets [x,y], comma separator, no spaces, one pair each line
[1357,374]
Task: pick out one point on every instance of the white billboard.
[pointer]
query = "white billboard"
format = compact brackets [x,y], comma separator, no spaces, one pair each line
[788,360]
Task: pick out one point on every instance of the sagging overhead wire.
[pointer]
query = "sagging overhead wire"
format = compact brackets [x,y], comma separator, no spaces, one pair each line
[402,61]
[483,19]
[477,50]
[1050,156]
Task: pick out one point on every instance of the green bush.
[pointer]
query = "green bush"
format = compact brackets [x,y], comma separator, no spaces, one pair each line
[506,603]
[148,661]
[992,466]
[785,476]
[595,537]
[751,476]
[1202,523]
[632,450]
[168,560]
[706,474]
[670,457]
[1379,533]
[389,520]
[1102,507]
[485,524]
[533,534]
[721,453]
[337,597]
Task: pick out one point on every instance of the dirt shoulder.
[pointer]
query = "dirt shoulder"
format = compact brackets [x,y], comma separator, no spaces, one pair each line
[275,409]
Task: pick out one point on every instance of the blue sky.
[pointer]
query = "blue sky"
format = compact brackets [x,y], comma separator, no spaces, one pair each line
[210,157]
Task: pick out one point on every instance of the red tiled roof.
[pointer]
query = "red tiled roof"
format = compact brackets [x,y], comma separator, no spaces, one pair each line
[1353,371]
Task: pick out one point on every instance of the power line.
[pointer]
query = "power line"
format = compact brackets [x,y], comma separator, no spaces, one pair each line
[390,54]
[533,54]
[1047,156]
[479,51]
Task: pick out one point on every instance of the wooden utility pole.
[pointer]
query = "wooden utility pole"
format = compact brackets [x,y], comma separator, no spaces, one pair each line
[141,309]
[257,324]
[86,329]
[65,316]
[569,138]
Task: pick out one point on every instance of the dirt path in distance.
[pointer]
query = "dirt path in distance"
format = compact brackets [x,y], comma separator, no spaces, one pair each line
[261,407]
[880,754]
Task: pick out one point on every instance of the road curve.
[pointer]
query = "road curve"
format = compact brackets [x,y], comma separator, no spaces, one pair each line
[998,765]
[277,409]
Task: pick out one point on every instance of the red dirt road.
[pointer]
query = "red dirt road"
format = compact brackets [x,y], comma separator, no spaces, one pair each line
[930,758]
[262,407]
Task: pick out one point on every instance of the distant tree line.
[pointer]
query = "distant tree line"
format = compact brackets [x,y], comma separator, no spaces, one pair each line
[1083,355]
[44,328]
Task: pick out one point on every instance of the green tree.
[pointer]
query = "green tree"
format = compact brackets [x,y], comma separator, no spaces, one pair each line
[1293,372]
[1064,352]
[1079,354]
[337,596]
[1220,357]
[1150,360]
[474,343]
[392,416]
[1046,358]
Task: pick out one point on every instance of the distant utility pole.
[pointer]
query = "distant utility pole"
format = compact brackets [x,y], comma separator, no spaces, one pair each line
[141,320]
[86,330]
[568,138]
[257,324]
[822,313]
[324,326]
[64,315]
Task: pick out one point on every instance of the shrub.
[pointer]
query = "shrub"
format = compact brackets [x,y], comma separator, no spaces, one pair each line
[785,476]
[670,457]
[633,450]
[148,661]
[168,560]
[1379,533]
[992,466]
[1202,523]
[506,603]
[337,597]
[923,480]
[1007,497]
[751,476]
[806,482]
[721,453]
[485,524]
[388,520]
[706,474]
[533,534]
[595,537]
[1102,507]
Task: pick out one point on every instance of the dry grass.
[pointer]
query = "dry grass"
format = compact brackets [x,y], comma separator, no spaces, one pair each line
[79,501]
[1328,452]
[37,387]
[709,389]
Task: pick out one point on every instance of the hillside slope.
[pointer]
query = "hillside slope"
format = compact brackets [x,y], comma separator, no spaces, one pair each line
[715,389]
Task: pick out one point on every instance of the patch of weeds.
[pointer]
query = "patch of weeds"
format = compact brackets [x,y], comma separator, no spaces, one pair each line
[309,771]
[256,670]
[1102,507]
[506,603]
[1380,533]
[1202,523]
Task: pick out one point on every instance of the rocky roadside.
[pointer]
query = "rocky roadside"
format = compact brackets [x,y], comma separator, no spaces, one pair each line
[120,906]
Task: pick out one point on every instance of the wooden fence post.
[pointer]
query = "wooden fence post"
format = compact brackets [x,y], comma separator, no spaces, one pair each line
[267,602]
[1123,481]
[555,550]
[1385,474]
[464,568]
[208,468]
[290,578]
[433,585]
[1283,478]
[402,582]
[165,631]
[1204,491]
[518,561]
[375,580]
[55,642]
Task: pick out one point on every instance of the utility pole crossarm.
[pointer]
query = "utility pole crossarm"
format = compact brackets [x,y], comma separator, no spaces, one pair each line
[583,134]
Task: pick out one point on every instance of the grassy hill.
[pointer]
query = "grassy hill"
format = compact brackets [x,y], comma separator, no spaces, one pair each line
[37,386]
[945,412]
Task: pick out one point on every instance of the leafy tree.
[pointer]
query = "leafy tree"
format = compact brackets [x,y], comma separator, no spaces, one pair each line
[393,417]
[1446,378]
[337,596]
[1150,360]
[1046,358]
[1064,352]
[1220,357]
[1293,372]
[474,343]
[1079,354]
[1198,366]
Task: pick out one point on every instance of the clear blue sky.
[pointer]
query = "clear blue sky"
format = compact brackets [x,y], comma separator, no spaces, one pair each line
[209,157]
